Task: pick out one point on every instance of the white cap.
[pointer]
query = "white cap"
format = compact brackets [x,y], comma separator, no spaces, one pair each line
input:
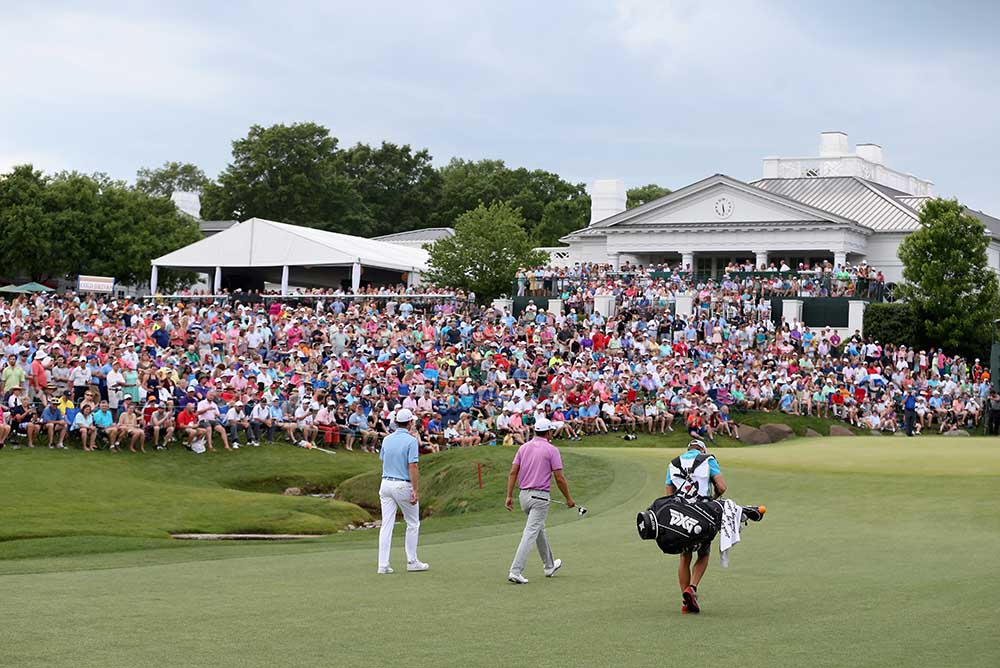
[542,424]
[404,415]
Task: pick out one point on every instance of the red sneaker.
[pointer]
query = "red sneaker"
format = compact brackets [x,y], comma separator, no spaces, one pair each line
[684,609]
[691,600]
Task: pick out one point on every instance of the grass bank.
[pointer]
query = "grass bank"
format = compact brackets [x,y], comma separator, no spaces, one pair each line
[60,503]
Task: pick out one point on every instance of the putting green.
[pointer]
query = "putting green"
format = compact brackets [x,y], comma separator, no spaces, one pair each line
[874,552]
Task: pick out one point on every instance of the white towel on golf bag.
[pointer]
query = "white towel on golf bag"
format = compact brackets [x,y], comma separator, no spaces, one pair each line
[729,532]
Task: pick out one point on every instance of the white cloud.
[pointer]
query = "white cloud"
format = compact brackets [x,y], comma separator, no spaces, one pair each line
[59,55]
[756,51]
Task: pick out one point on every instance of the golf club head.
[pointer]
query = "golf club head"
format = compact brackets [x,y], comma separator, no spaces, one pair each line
[581,510]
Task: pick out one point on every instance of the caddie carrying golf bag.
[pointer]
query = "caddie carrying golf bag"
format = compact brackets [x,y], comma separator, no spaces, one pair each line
[678,524]
[687,520]
[682,525]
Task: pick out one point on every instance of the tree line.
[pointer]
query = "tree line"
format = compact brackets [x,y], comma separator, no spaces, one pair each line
[300,174]
[67,223]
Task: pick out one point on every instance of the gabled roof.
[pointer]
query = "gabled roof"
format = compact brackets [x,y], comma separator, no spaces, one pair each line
[992,224]
[866,203]
[265,243]
[809,212]
[427,234]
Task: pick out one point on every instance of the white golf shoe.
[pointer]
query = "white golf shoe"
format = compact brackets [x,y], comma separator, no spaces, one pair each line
[415,566]
[556,565]
[385,570]
[517,578]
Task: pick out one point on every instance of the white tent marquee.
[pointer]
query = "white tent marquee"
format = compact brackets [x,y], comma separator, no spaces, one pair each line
[266,245]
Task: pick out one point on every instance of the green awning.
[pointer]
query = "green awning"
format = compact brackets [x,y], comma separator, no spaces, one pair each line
[33,287]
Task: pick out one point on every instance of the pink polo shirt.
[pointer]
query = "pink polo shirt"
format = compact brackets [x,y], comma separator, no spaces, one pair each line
[537,460]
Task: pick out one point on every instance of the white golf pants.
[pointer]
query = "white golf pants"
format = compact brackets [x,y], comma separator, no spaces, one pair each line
[393,494]
[534,530]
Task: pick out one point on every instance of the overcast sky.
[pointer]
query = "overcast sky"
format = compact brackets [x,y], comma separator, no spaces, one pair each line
[644,90]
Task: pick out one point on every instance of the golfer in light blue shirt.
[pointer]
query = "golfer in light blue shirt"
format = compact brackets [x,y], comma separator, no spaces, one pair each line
[400,488]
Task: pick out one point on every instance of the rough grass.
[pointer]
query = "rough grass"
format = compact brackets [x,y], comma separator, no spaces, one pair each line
[60,494]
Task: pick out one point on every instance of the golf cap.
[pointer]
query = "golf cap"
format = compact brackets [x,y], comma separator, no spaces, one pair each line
[697,444]
[543,424]
[404,415]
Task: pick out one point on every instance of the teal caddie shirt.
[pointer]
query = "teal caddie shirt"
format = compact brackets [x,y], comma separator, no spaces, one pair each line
[713,466]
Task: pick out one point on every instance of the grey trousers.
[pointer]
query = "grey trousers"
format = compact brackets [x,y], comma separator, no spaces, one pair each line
[534,531]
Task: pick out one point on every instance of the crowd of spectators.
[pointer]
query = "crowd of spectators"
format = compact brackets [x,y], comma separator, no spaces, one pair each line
[333,370]
[659,284]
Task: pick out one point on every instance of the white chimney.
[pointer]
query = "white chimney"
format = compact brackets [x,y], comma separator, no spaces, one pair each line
[187,202]
[870,152]
[607,198]
[833,144]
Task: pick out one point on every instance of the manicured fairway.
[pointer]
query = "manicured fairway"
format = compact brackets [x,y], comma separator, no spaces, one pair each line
[874,552]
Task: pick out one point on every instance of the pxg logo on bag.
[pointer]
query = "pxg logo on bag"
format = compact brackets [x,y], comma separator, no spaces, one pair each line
[689,524]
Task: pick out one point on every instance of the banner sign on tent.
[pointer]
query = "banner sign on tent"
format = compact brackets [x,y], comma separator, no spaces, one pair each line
[95,284]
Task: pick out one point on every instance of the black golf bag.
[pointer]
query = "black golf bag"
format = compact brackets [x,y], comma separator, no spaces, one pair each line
[679,524]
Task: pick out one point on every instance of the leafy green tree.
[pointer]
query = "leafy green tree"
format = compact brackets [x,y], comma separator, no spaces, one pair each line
[400,187]
[894,322]
[489,246]
[172,176]
[291,174]
[27,232]
[947,279]
[560,217]
[72,223]
[641,194]
[136,228]
[467,184]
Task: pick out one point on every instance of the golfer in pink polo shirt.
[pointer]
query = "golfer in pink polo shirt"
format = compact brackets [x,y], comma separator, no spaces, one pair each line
[535,463]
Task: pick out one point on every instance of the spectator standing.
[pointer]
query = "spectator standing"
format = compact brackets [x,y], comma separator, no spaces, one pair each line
[909,412]
[13,375]
[80,376]
[993,406]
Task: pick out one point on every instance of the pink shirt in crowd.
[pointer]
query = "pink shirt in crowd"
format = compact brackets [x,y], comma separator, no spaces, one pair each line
[537,459]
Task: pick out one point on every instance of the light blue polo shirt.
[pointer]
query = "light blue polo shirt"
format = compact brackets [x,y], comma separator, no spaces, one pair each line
[103,418]
[399,450]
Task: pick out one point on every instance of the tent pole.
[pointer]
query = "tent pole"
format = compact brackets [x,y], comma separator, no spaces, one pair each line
[218,281]
[356,277]
[284,280]
[154,277]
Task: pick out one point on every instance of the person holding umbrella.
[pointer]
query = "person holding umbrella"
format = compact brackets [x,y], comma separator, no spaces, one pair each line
[534,466]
